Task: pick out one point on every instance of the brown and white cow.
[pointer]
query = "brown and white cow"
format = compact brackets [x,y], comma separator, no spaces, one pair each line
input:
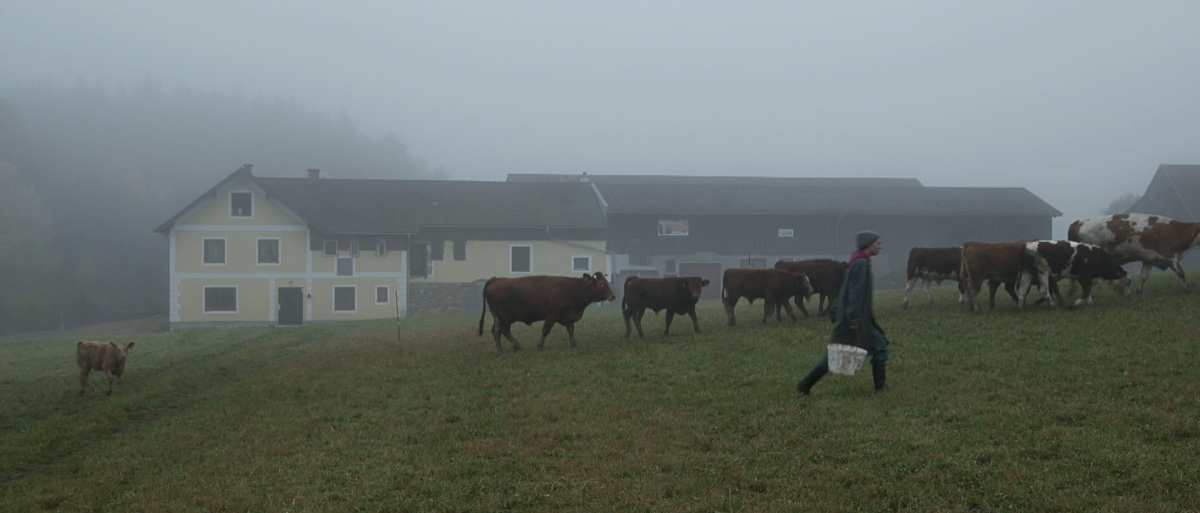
[1155,241]
[998,263]
[824,275]
[101,356]
[528,299]
[1046,261]
[775,287]
[933,265]
[675,295]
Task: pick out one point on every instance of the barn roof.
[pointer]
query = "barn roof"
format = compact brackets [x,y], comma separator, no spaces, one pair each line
[694,195]
[405,206]
[1174,192]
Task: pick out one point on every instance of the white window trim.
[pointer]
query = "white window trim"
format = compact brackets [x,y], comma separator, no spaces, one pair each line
[354,247]
[333,296]
[325,247]
[387,294]
[338,261]
[252,209]
[236,300]
[510,258]
[589,263]
[224,250]
[381,248]
[278,250]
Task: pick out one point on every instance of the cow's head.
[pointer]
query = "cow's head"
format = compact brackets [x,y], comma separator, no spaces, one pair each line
[598,289]
[802,285]
[692,287]
[1104,267]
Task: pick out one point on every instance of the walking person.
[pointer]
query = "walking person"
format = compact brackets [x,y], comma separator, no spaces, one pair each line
[854,317]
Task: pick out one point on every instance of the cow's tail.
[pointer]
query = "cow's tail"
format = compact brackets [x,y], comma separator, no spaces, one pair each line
[625,296]
[1073,231]
[484,313]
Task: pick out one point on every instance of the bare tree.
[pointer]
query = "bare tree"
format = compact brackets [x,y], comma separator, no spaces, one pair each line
[1121,204]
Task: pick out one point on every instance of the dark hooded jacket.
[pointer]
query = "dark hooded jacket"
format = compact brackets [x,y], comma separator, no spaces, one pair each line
[853,306]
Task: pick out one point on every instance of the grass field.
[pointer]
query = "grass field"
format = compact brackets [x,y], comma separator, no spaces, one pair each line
[1089,409]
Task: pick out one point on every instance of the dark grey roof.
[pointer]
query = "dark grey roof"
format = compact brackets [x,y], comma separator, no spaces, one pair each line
[405,206]
[1174,192]
[693,195]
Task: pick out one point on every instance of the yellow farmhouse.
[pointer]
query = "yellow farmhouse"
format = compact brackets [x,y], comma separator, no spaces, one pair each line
[288,251]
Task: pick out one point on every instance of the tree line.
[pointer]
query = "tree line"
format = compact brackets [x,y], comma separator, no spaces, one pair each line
[88,172]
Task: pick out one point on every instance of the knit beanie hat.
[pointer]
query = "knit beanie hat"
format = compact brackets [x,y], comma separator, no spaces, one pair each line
[865,238]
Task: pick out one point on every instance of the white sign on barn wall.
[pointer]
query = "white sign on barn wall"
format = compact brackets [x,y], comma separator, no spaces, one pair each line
[673,227]
[785,232]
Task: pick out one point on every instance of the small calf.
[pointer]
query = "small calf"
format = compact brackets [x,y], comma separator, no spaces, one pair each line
[108,357]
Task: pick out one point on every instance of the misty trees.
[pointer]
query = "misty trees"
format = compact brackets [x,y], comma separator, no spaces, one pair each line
[89,173]
[1121,204]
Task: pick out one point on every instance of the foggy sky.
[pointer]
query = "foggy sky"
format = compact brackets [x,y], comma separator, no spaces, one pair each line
[1079,102]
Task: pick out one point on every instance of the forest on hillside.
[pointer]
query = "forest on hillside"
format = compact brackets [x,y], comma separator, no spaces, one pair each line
[88,172]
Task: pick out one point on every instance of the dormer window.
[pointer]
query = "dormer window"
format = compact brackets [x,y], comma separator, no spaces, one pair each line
[241,204]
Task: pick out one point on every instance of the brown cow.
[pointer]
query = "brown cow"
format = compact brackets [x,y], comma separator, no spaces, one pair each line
[528,299]
[774,286]
[1155,241]
[108,357]
[824,275]
[675,295]
[933,265]
[998,263]
[1048,261]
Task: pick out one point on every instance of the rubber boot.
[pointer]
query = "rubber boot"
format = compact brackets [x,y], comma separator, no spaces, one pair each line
[818,371]
[879,372]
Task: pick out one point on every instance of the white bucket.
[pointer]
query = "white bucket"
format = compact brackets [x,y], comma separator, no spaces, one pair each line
[845,359]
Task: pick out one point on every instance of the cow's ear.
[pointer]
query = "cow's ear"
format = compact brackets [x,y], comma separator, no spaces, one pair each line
[587,276]
[704,283]
[114,344]
[129,346]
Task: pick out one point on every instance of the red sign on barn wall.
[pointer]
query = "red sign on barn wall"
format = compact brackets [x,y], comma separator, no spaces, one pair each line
[673,227]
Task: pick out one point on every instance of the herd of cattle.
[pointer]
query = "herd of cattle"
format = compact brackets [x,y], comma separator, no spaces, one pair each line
[1094,252]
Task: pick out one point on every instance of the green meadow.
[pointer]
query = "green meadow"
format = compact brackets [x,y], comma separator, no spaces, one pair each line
[1093,408]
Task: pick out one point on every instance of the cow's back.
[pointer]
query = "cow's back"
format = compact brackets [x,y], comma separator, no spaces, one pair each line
[824,275]
[992,260]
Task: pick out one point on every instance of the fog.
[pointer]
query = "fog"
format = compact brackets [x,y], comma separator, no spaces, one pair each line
[1077,102]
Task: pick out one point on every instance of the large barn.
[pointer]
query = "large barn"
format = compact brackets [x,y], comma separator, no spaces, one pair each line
[692,225]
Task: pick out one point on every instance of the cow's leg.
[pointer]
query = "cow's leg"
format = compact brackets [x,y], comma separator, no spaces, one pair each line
[496,335]
[670,317]
[506,330]
[571,333]
[730,302]
[925,285]
[1179,272]
[799,303]
[1145,274]
[992,286]
[637,321]
[1011,288]
[1085,286]
[822,307]
[627,313]
[83,381]
[546,327]
[695,323]
[109,375]
[973,287]
[962,289]
[1026,281]
[908,286]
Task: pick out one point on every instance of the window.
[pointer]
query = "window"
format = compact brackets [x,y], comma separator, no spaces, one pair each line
[331,248]
[754,263]
[268,251]
[520,259]
[670,265]
[220,299]
[581,264]
[354,248]
[418,260]
[241,204]
[345,266]
[437,250]
[460,250]
[214,251]
[381,248]
[343,299]
[381,295]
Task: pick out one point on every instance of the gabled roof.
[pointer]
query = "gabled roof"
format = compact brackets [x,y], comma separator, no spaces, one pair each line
[1174,192]
[696,195]
[406,206]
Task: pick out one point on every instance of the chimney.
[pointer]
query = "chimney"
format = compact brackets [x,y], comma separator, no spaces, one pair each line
[584,178]
[314,175]
[249,168]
